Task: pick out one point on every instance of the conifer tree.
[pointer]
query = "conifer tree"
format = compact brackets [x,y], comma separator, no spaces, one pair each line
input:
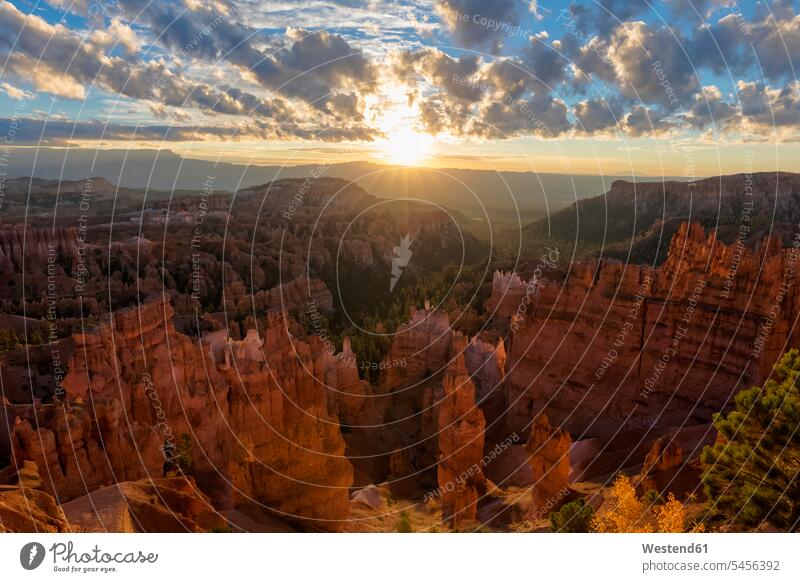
[751,473]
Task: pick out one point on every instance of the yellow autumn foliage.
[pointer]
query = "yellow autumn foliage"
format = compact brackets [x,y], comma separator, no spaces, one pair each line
[670,517]
[630,514]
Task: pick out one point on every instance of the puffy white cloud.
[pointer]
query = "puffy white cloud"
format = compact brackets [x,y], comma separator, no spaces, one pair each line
[15,92]
[118,34]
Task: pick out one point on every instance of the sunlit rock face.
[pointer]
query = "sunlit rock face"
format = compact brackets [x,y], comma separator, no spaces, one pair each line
[255,414]
[548,450]
[150,506]
[423,344]
[461,427]
[30,510]
[611,346]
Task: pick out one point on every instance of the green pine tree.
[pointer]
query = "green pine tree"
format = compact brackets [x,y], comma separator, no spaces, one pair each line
[574,517]
[751,473]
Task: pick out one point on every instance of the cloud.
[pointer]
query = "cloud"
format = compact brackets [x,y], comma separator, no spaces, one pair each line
[710,110]
[596,115]
[607,67]
[59,61]
[15,92]
[640,120]
[770,106]
[776,43]
[757,109]
[650,64]
[544,61]
[768,45]
[478,23]
[54,131]
[117,34]
[601,16]
[539,115]
[455,77]
[310,65]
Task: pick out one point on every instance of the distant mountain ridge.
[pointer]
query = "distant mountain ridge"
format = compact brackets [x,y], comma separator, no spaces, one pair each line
[640,218]
[476,193]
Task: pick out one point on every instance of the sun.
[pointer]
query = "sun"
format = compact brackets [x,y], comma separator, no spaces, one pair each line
[397,117]
[406,147]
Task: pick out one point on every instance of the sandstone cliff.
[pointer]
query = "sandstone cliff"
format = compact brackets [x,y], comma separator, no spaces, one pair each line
[252,421]
[610,346]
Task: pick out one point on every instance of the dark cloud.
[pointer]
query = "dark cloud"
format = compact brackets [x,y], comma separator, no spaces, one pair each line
[481,24]
[308,65]
[645,121]
[544,62]
[710,110]
[541,115]
[769,106]
[601,17]
[58,131]
[456,77]
[650,64]
[597,115]
[754,110]
[766,46]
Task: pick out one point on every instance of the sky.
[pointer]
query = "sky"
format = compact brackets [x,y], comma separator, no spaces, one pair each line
[684,88]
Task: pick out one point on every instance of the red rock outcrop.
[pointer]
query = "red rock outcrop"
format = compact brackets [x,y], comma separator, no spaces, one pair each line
[36,245]
[30,510]
[659,466]
[508,291]
[461,440]
[610,346]
[549,460]
[255,415]
[424,345]
[150,506]
[486,360]
[431,404]
[301,293]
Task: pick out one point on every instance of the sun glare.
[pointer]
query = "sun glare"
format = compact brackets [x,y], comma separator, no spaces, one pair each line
[406,147]
[397,118]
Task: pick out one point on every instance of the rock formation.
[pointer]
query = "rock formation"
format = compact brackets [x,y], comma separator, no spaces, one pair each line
[255,416]
[36,245]
[30,510]
[611,346]
[424,344]
[659,466]
[461,439]
[508,291]
[486,360]
[301,293]
[432,409]
[149,506]
[549,460]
